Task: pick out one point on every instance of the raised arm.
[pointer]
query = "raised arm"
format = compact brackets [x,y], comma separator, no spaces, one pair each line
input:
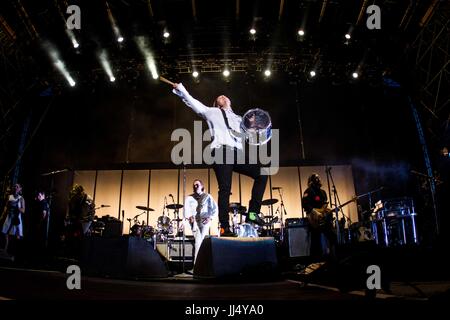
[191,102]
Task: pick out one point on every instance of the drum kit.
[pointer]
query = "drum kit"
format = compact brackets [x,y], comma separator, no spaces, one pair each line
[393,222]
[164,225]
[245,228]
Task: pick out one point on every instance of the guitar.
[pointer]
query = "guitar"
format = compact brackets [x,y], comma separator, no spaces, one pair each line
[323,217]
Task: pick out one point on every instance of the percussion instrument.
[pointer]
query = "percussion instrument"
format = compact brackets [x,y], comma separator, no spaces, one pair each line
[164,225]
[256,127]
[235,207]
[246,230]
[269,202]
[144,208]
[148,232]
[174,206]
[136,230]
[393,224]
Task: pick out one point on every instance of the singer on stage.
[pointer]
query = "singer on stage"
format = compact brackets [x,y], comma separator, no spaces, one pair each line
[221,121]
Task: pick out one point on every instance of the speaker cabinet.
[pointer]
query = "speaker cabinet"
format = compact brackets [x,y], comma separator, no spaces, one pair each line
[236,257]
[112,229]
[299,241]
[123,257]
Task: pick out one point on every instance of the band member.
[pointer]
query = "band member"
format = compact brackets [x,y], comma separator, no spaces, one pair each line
[314,202]
[222,121]
[200,208]
[15,207]
[39,220]
[81,210]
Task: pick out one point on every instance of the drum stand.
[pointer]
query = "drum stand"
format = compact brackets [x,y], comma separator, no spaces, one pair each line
[183,233]
[282,212]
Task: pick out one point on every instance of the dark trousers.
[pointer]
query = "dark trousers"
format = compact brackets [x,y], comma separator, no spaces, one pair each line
[224,173]
[323,238]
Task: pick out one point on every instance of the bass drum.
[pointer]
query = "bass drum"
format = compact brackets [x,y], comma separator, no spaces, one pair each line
[165,225]
[246,230]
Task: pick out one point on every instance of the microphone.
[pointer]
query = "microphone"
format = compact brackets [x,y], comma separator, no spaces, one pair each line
[277,188]
[105,206]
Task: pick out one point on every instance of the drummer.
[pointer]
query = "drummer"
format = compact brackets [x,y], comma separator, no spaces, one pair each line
[228,154]
[200,208]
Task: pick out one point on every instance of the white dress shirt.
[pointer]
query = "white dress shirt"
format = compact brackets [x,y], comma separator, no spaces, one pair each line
[199,229]
[214,118]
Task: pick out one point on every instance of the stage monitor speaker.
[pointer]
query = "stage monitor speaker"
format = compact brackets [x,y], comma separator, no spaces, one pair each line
[299,241]
[124,257]
[236,257]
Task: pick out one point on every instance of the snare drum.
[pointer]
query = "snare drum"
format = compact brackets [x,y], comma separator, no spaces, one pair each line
[256,126]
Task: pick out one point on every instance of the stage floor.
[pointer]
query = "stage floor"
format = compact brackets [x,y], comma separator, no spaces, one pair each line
[29,284]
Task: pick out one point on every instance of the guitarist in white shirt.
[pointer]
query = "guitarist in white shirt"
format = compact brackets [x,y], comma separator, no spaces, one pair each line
[199,210]
[314,202]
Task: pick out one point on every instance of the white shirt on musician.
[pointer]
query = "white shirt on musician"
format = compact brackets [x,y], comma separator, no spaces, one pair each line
[213,116]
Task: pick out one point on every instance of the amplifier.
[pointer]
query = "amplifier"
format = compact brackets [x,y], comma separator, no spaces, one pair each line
[113,228]
[296,222]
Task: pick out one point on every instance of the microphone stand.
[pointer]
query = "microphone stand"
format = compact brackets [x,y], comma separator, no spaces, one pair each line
[50,197]
[282,211]
[52,182]
[184,215]
[336,205]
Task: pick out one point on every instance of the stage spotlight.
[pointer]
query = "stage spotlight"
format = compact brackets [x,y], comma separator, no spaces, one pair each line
[62,68]
[252,31]
[104,61]
[166,34]
[301,33]
[347,36]
[149,59]
[355,75]
[312,73]
[267,73]
[226,73]
[120,39]
[195,74]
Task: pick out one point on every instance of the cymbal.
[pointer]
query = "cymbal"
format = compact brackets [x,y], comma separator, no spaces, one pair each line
[144,208]
[174,206]
[269,202]
[236,206]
